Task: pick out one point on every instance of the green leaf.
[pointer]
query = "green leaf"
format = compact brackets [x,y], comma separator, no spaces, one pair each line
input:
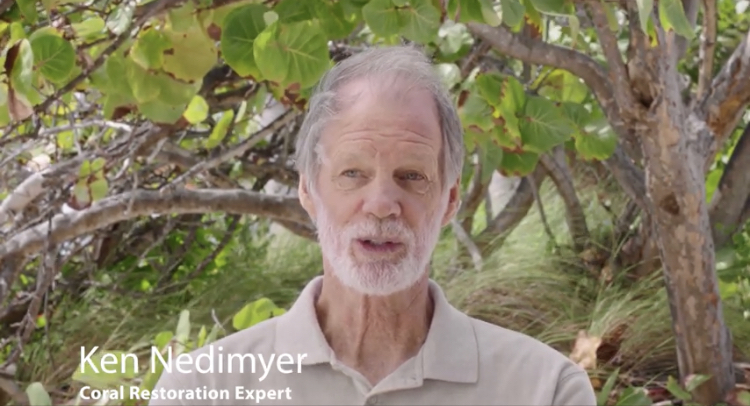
[470,10]
[182,19]
[454,38]
[182,332]
[38,396]
[197,110]
[23,68]
[28,11]
[333,19]
[144,84]
[489,14]
[241,27]
[420,21]
[220,130]
[382,17]
[449,72]
[674,387]
[160,112]
[634,396]
[54,57]
[89,27]
[119,20]
[645,7]
[202,336]
[116,68]
[148,50]
[513,12]
[292,53]
[562,85]
[518,163]
[191,55]
[292,11]
[162,339]
[550,6]
[253,313]
[672,16]
[491,157]
[694,381]
[542,125]
[99,189]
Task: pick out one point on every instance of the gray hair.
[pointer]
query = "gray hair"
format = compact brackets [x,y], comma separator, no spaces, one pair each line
[404,62]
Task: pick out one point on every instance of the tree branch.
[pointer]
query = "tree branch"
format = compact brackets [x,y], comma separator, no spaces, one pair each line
[558,170]
[728,202]
[493,236]
[618,74]
[723,105]
[708,46]
[126,206]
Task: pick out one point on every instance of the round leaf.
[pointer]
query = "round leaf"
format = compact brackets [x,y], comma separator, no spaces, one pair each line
[197,110]
[241,26]
[148,50]
[191,55]
[292,53]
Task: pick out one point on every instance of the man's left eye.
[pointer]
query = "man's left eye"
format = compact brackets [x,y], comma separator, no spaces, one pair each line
[413,176]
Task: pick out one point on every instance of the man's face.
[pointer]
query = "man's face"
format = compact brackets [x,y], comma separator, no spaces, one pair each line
[379,201]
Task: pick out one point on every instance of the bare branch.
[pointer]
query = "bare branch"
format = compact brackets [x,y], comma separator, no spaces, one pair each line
[494,235]
[628,176]
[473,198]
[115,209]
[618,74]
[708,46]
[464,238]
[236,150]
[728,201]
[560,173]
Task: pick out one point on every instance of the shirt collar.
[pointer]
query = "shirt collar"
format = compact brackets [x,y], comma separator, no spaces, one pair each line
[450,352]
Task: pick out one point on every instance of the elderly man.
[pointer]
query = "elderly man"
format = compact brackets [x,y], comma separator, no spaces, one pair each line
[380,156]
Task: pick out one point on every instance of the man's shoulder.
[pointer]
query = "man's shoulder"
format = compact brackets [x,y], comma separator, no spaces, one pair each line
[514,347]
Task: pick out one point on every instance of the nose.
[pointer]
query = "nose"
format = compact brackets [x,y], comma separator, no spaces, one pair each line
[383,198]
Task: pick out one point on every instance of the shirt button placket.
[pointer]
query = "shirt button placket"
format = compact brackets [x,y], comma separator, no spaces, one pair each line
[372,401]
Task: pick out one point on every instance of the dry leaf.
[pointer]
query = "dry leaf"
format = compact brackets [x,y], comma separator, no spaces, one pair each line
[584,350]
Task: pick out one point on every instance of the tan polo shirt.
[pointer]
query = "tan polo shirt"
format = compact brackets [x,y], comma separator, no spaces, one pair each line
[464,361]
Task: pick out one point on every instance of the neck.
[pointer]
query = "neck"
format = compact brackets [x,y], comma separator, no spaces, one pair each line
[374,334]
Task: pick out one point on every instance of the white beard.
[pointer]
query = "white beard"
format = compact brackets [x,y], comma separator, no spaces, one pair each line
[376,277]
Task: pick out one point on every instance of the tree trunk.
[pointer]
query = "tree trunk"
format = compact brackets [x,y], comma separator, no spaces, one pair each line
[676,190]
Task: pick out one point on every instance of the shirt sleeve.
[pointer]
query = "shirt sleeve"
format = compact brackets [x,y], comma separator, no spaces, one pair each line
[574,389]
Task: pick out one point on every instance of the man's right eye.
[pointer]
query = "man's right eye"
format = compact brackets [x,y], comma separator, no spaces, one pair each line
[350,173]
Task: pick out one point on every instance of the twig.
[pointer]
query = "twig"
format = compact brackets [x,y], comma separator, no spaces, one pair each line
[463,237]
[233,152]
[547,229]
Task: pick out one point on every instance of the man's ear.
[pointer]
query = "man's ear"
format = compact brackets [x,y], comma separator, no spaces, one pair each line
[305,199]
[454,202]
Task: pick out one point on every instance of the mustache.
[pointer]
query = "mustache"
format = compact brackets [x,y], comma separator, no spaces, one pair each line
[393,230]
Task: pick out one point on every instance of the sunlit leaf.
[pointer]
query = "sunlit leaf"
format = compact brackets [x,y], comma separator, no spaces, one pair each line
[197,110]
[219,131]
